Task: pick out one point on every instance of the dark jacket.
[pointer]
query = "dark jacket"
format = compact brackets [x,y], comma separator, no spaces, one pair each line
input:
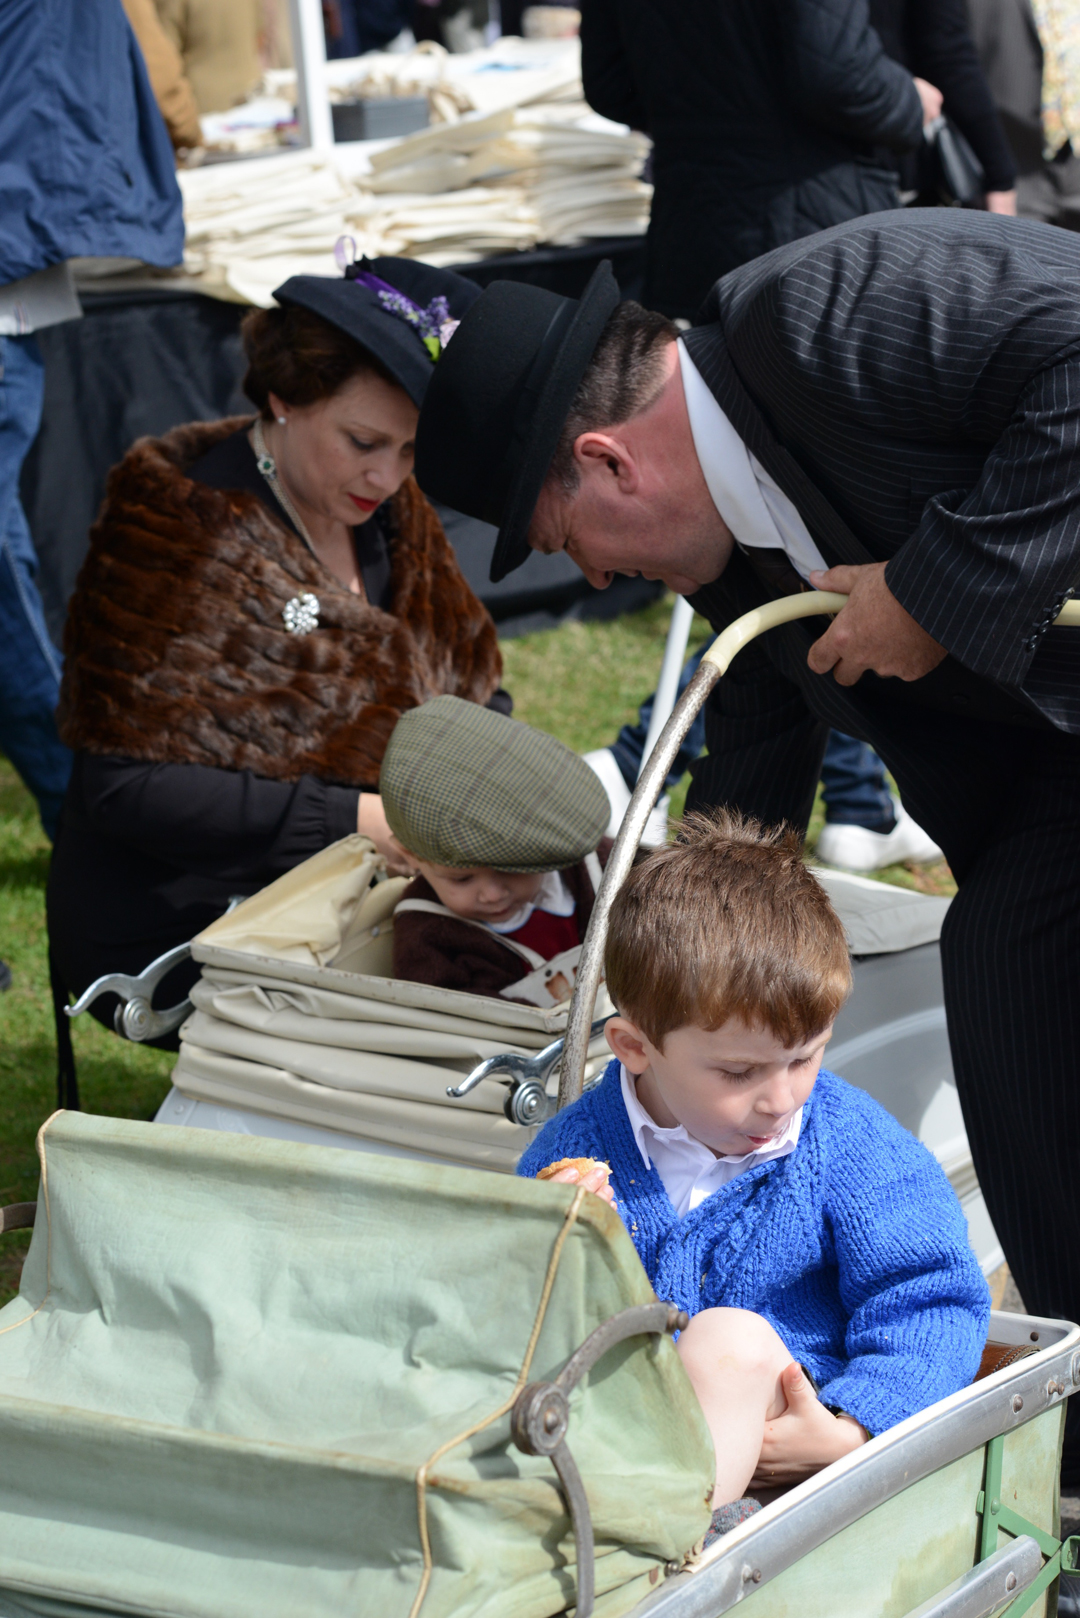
[454,954]
[933,41]
[86,160]
[213,749]
[768,123]
[915,375]
[1010,51]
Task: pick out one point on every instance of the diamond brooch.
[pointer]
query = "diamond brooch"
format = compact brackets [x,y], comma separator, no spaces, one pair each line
[301,614]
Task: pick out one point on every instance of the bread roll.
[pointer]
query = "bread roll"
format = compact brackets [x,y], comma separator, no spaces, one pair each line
[582,1164]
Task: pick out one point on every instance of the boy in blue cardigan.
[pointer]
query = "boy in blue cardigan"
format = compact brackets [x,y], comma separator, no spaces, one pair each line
[802,1228]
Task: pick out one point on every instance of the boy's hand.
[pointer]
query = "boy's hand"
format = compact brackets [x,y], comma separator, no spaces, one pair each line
[596,1181]
[805,1437]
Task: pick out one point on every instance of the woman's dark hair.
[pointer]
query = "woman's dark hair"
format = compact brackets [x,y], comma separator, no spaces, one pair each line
[300,357]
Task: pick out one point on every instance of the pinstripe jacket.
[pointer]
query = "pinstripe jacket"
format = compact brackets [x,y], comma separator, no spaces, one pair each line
[912,380]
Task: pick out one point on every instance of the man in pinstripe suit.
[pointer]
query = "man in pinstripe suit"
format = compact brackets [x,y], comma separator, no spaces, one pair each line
[890,408]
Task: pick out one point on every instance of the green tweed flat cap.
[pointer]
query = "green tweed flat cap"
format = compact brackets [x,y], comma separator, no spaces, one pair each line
[462,786]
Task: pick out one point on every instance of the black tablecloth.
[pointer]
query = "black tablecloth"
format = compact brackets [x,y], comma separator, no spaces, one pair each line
[143,363]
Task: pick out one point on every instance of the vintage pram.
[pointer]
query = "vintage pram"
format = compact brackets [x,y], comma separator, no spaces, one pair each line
[246,1375]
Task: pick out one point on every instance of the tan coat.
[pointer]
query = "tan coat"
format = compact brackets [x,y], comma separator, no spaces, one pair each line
[172,92]
[219,43]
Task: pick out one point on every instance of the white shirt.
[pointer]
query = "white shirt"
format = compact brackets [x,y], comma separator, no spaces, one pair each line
[690,1172]
[553,895]
[752,504]
[43,299]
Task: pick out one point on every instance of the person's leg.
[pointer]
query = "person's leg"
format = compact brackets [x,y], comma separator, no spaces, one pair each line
[865,827]
[764,747]
[854,786]
[1009,948]
[629,746]
[30,665]
[1037,196]
[734,1360]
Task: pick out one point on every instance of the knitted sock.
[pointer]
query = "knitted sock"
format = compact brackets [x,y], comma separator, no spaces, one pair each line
[725,1518]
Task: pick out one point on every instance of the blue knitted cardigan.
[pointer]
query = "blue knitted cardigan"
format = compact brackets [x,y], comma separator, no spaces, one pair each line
[853,1247]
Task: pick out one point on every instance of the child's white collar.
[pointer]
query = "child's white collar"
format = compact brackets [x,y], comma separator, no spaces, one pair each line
[553,895]
[688,1170]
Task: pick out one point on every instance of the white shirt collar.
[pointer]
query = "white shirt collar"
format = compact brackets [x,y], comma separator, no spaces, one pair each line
[688,1170]
[553,895]
[752,504]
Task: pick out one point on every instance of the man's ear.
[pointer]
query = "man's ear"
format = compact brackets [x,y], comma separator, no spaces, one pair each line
[607,453]
[627,1042]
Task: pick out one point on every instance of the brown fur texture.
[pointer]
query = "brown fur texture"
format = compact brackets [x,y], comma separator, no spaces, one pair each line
[176,650]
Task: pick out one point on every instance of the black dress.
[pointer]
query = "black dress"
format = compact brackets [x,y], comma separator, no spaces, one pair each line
[147,855]
[933,39]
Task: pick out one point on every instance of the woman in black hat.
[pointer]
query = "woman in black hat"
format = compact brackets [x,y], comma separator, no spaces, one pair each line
[262,598]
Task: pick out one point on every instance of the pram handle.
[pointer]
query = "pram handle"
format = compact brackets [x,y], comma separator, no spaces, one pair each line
[527,1076]
[714,664]
[135,1017]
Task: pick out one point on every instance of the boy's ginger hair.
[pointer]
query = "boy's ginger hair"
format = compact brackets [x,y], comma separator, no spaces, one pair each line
[727,922]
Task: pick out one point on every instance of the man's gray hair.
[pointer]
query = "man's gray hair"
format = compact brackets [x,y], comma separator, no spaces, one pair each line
[624,377]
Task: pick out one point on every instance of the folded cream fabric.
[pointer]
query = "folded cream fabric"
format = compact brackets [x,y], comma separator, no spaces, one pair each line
[516,159]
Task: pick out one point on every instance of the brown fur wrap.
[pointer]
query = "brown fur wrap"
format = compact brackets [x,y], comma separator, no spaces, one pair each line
[177,652]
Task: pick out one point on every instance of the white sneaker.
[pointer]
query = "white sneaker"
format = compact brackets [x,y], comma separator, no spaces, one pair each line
[602,763]
[853,848]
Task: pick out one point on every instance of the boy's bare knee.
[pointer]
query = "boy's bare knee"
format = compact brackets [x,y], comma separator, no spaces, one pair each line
[743,1340]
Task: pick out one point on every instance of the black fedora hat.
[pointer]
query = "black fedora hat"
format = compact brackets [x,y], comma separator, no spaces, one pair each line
[399,310]
[498,399]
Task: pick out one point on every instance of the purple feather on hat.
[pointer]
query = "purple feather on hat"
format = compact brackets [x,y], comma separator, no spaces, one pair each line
[433,324]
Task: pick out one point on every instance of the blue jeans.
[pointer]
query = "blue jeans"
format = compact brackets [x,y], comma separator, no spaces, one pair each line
[30,665]
[852,775]
[629,745]
[854,787]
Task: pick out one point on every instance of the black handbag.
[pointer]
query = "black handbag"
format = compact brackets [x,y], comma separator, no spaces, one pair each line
[954,173]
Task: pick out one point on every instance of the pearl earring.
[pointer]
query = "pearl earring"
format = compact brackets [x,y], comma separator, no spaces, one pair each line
[281,421]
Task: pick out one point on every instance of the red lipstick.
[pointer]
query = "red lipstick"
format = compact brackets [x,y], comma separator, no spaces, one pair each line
[363,505]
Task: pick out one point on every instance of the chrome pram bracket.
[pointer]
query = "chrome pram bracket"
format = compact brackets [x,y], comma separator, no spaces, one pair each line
[541,1417]
[527,1100]
[135,1018]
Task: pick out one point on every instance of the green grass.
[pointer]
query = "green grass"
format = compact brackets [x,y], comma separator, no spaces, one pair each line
[115,1077]
[581,682]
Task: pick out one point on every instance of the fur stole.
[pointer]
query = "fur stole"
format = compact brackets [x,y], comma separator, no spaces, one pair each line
[177,652]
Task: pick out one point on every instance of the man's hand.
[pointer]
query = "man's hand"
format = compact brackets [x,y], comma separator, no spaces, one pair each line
[872,632]
[805,1437]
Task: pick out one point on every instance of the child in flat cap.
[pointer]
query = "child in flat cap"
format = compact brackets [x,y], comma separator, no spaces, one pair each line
[506,826]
